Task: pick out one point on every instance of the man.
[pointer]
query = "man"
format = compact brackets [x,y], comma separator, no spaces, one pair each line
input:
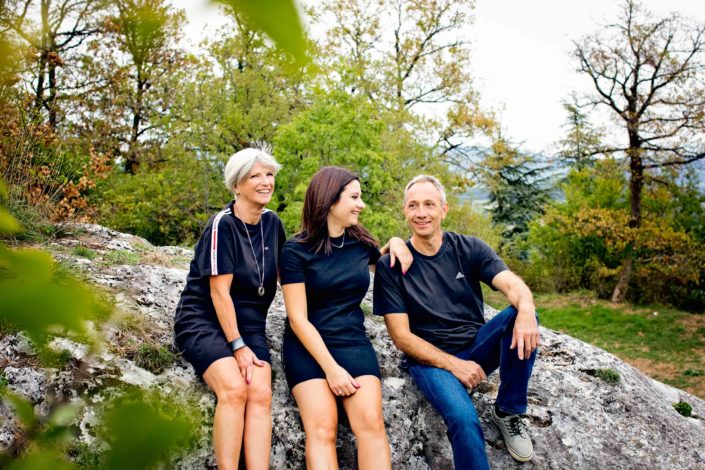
[434,314]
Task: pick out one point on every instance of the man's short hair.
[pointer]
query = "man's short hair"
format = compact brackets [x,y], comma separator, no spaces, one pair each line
[240,164]
[426,179]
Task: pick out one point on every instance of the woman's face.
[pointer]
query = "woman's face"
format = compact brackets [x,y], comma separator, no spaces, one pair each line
[347,210]
[257,187]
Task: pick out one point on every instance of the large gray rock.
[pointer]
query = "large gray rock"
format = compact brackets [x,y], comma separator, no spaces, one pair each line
[577,419]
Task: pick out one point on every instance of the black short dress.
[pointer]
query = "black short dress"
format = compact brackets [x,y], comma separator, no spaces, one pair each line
[335,286]
[225,249]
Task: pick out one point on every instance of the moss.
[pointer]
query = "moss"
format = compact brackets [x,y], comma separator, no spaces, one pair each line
[608,375]
[683,408]
[56,359]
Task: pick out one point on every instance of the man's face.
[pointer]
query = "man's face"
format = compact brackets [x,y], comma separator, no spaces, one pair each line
[423,209]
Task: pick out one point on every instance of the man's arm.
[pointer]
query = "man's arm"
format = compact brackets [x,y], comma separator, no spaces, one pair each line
[526,336]
[469,373]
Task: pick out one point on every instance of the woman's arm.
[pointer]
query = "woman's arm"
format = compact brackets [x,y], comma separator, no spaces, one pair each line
[225,310]
[397,249]
[339,380]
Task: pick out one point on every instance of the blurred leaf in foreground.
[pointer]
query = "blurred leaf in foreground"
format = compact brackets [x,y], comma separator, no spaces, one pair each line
[143,431]
[279,19]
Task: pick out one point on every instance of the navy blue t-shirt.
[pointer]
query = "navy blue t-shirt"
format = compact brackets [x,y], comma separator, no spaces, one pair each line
[335,286]
[224,249]
[441,293]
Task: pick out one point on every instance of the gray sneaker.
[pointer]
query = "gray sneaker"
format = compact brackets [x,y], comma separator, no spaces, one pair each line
[516,436]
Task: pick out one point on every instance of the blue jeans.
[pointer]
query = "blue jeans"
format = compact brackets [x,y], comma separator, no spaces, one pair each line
[450,398]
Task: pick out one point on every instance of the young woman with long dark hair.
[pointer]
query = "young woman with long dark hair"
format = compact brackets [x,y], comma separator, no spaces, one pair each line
[326,352]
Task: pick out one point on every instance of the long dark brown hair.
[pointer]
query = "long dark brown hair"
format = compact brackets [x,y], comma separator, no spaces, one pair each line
[323,191]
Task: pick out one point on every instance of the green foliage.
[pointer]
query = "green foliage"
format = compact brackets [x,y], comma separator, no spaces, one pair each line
[279,19]
[518,188]
[144,430]
[162,204]
[608,375]
[154,358]
[342,130]
[50,436]
[581,242]
[683,408]
[693,373]
[41,299]
[463,218]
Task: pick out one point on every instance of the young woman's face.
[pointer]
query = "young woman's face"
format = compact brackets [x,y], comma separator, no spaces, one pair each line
[258,185]
[347,210]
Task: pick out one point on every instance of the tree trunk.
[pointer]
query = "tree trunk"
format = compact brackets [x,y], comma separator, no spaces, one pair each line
[132,161]
[636,183]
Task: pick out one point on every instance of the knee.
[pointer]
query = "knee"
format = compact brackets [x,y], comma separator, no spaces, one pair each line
[232,394]
[259,393]
[323,431]
[370,422]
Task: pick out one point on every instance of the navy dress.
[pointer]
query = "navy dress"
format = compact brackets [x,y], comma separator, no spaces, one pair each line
[224,249]
[335,286]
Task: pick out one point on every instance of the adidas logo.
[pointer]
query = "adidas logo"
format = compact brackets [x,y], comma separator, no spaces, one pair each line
[459,276]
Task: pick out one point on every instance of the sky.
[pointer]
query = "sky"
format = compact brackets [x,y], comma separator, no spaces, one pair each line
[521,58]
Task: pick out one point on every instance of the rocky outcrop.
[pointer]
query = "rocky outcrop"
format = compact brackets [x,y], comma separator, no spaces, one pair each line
[578,420]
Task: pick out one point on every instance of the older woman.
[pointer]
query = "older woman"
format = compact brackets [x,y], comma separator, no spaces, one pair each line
[327,354]
[220,319]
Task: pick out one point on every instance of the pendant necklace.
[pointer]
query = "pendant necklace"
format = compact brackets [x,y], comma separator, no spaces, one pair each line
[260,274]
[341,243]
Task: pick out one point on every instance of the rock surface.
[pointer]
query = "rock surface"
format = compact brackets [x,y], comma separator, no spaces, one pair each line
[577,419]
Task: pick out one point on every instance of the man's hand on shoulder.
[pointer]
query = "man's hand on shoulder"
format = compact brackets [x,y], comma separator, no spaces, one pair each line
[469,373]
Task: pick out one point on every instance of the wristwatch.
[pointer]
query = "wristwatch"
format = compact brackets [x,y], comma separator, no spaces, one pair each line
[237,343]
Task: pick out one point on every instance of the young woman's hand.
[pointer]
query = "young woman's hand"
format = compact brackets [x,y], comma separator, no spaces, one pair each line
[341,383]
[399,251]
[245,360]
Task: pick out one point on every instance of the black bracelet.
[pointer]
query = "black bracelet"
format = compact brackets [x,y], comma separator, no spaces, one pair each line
[237,343]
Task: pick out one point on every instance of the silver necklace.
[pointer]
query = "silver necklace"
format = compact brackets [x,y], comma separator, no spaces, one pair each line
[341,243]
[260,274]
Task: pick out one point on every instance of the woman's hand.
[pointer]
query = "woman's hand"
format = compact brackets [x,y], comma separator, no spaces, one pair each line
[399,251]
[245,360]
[341,383]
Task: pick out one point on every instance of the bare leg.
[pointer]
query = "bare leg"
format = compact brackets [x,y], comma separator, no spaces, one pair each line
[258,419]
[224,378]
[319,413]
[364,410]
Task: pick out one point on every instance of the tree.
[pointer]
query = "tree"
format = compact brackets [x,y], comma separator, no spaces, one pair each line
[146,32]
[518,190]
[650,74]
[406,54]
[578,148]
[64,25]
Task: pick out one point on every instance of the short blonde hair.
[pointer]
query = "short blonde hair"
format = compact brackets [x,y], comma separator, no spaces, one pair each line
[240,164]
[426,179]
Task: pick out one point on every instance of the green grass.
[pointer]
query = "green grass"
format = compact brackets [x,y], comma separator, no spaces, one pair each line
[113,258]
[667,345]
[84,252]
